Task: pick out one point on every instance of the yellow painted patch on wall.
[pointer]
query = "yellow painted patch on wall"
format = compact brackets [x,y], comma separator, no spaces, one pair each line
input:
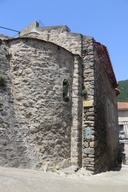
[88,103]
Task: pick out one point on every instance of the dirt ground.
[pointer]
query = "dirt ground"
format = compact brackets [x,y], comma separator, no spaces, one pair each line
[23,180]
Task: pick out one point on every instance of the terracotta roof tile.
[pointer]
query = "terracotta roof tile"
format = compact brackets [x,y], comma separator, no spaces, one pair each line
[122,105]
[108,65]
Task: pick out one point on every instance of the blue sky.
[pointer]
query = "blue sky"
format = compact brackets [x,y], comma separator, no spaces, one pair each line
[105,20]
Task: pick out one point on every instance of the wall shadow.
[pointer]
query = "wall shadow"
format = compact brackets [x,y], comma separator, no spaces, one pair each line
[121,157]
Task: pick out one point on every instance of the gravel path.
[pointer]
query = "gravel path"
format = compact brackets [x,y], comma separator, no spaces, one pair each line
[20,180]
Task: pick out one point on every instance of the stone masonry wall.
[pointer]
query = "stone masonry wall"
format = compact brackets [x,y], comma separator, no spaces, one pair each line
[39,126]
[76,128]
[13,142]
[88,111]
[99,111]
[60,35]
[84,46]
[106,121]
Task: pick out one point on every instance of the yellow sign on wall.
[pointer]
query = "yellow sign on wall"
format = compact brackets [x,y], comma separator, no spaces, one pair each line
[88,103]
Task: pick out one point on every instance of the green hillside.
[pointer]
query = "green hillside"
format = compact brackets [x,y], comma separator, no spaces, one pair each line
[123,87]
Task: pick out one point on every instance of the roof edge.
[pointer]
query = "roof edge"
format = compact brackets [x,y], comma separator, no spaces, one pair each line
[113,81]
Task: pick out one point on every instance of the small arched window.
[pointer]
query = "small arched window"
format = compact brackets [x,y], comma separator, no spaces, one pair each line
[65,90]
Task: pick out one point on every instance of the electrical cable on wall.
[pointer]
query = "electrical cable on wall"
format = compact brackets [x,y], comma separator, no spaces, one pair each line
[9,29]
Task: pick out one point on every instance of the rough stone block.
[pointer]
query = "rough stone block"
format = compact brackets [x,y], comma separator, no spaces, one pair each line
[89,151]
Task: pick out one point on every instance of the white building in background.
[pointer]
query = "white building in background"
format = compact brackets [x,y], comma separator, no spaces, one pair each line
[123,119]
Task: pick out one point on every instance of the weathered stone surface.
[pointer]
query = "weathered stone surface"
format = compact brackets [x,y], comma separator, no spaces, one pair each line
[92,144]
[35,101]
[89,150]
[106,122]
[38,127]
[99,112]
[86,144]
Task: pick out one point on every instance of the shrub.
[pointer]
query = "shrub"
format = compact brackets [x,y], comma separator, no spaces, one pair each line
[2,80]
[84,92]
